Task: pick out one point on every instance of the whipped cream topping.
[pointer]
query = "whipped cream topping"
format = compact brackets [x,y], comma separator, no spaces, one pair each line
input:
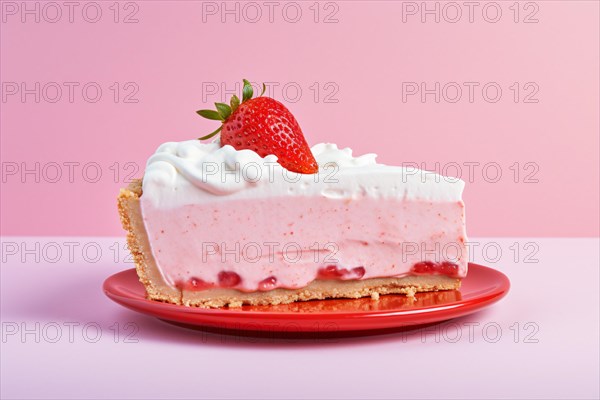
[192,172]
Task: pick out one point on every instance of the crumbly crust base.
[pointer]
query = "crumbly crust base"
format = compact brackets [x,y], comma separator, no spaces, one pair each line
[157,289]
[130,212]
[320,290]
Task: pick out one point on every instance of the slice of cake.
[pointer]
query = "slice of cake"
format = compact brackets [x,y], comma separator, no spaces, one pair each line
[259,218]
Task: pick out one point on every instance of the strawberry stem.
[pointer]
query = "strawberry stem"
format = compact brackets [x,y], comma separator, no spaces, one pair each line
[211,134]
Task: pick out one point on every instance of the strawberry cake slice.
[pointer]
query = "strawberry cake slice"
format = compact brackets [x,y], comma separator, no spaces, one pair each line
[258,217]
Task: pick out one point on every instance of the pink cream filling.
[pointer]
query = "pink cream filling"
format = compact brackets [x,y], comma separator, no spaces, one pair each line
[271,243]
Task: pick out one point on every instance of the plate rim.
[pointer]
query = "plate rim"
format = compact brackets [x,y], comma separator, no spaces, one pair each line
[460,307]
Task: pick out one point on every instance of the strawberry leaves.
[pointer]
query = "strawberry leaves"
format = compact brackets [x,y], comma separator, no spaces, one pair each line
[224,111]
[247,91]
[210,114]
[235,103]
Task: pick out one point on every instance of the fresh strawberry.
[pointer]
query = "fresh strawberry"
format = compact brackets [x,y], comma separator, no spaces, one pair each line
[265,126]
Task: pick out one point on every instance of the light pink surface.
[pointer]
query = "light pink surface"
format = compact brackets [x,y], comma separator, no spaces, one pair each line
[363,61]
[292,238]
[547,346]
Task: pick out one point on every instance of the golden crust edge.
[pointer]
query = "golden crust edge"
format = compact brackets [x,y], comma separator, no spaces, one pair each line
[129,206]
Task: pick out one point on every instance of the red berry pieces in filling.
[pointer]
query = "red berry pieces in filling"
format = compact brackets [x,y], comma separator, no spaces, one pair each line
[198,284]
[333,272]
[229,279]
[194,284]
[330,272]
[267,284]
[357,273]
[430,267]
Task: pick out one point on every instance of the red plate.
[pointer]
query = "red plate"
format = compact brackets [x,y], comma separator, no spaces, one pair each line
[482,287]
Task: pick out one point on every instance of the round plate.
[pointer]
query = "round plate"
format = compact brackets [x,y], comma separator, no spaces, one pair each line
[482,287]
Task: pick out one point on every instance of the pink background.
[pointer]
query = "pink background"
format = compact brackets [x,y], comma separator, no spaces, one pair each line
[367,54]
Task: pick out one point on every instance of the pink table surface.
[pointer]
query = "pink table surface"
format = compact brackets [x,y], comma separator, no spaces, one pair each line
[53,307]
